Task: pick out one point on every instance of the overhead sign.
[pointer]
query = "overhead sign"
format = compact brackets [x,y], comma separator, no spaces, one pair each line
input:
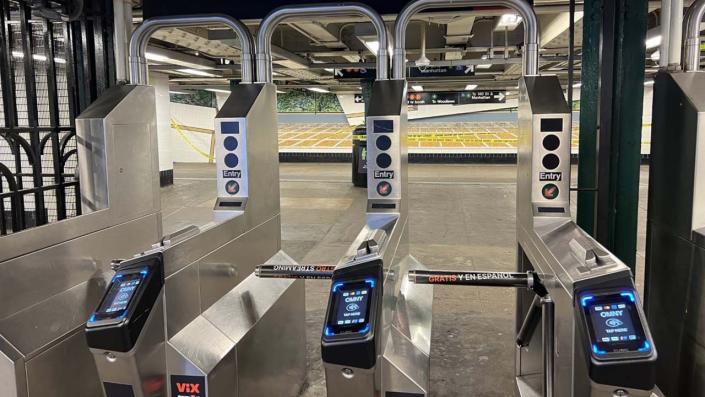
[355,73]
[456,97]
[441,71]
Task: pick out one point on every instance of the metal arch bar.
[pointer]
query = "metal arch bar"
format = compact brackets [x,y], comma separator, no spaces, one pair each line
[140,38]
[266,30]
[531,34]
[691,44]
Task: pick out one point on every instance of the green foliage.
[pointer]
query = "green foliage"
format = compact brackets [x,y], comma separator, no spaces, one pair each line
[197,98]
[303,101]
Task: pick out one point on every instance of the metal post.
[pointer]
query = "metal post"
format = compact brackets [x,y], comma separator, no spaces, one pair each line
[548,322]
[675,35]
[122,14]
[531,34]
[32,113]
[140,39]
[274,18]
[696,13]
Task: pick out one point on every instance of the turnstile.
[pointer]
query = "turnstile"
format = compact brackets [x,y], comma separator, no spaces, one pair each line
[386,350]
[213,327]
[596,341]
[675,250]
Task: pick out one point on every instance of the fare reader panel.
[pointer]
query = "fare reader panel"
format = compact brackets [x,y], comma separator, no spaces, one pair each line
[354,308]
[122,313]
[231,163]
[618,345]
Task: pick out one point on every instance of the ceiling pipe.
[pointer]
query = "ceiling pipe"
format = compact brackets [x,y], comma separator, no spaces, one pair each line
[531,34]
[691,49]
[270,22]
[140,39]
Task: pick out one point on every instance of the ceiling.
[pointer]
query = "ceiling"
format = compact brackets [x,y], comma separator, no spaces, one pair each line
[307,53]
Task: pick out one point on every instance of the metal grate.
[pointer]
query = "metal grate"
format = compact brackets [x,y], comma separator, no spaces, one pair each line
[40,61]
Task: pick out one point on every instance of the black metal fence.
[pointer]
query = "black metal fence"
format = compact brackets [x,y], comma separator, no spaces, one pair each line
[52,66]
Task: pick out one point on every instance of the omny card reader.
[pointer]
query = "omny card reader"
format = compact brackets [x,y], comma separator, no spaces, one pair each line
[127,325]
[354,308]
[621,351]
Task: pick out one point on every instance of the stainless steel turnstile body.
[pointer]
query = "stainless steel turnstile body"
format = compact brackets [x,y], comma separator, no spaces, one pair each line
[215,317]
[675,253]
[565,257]
[54,275]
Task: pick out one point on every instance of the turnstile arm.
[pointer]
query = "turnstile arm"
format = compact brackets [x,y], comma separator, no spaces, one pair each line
[316,272]
[531,321]
[482,279]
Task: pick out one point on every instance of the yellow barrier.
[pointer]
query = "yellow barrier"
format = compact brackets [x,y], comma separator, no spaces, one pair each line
[180,130]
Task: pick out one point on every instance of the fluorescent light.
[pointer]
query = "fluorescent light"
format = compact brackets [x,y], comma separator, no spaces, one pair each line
[178,92]
[280,92]
[577,85]
[508,22]
[649,82]
[372,45]
[197,72]
[316,89]
[656,56]
[654,41]
[417,88]
[330,70]
[470,87]
[36,57]
[484,65]
[218,90]
[155,57]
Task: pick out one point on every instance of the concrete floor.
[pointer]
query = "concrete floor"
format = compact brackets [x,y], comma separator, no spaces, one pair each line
[462,217]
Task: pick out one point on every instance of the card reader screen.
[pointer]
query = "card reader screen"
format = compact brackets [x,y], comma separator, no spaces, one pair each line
[614,323]
[351,308]
[382,126]
[120,294]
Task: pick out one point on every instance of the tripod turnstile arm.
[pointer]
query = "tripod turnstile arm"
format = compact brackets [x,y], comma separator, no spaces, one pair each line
[531,322]
[484,279]
[317,272]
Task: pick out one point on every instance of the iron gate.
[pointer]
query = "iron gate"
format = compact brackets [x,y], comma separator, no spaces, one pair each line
[52,66]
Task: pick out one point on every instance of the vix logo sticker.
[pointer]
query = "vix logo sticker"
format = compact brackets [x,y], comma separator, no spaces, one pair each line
[188,386]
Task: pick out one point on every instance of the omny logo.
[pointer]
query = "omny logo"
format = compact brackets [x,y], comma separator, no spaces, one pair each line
[232,173]
[384,174]
[551,176]
[614,323]
[612,313]
[352,307]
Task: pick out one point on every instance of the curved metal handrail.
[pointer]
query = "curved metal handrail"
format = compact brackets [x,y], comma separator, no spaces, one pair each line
[691,32]
[266,30]
[531,34]
[140,38]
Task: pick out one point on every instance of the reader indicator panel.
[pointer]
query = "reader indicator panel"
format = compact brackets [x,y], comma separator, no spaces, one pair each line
[351,308]
[613,323]
[383,126]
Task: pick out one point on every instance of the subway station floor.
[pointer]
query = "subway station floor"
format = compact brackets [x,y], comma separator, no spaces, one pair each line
[462,217]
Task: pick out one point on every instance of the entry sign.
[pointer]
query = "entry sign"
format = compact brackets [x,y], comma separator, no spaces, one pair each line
[188,386]
[359,98]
